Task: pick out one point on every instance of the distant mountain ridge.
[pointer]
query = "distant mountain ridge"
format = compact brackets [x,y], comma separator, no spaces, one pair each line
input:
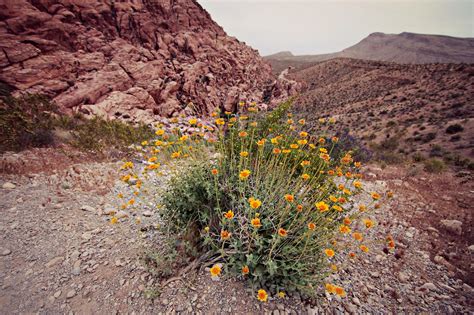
[403,48]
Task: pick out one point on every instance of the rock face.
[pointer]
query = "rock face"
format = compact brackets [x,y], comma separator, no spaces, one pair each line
[129,59]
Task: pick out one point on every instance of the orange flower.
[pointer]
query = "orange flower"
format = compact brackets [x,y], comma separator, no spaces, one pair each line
[340,291]
[261,142]
[337,208]
[299,208]
[289,198]
[113,220]
[262,295]
[364,248]
[256,222]
[357,164]
[330,288]
[375,196]
[352,255]
[229,214]
[357,184]
[322,141]
[347,221]
[368,223]
[329,252]
[215,270]
[335,139]
[322,206]
[244,174]
[243,134]
[305,163]
[225,235]
[214,171]
[301,121]
[282,232]
[357,236]
[276,151]
[245,270]
[311,226]
[254,203]
[176,155]
[334,267]
[362,208]
[305,176]
[390,194]
[344,229]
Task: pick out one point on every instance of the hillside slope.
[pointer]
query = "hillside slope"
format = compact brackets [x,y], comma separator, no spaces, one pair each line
[403,108]
[404,48]
[129,59]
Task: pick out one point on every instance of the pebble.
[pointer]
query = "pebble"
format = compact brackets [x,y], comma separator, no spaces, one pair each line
[8,185]
[471,249]
[6,252]
[70,294]
[429,286]
[54,261]
[57,294]
[76,269]
[88,208]
[453,226]
[147,213]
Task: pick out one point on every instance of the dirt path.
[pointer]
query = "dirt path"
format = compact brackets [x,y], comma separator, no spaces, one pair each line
[59,254]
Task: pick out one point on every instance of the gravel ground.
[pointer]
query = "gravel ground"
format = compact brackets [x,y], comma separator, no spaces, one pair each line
[60,254]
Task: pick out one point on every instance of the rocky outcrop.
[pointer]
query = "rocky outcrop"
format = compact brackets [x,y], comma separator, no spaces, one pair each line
[130,59]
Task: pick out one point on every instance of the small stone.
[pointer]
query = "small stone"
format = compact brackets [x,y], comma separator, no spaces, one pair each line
[374,274]
[429,286]
[109,211]
[119,263]
[453,226]
[54,261]
[147,213]
[471,249]
[6,252]
[88,209]
[403,277]
[76,269]
[70,294]
[165,301]
[8,185]
[121,214]
[57,294]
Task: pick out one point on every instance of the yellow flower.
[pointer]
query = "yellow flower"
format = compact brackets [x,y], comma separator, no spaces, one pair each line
[357,164]
[305,163]
[152,159]
[215,270]
[301,121]
[329,252]
[302,142]
[243,134]
[303,134]
[253,124]
[286,151]
[229,214]
[274,140]
[322,120]
[243,117]
[262,295]
[244,174]
[289,198]
[368,223]
[281,294]
[220,121]
[245,270]
[256,222]
[225,235]
[176,154]
[206,229]
[334,267]
[312,146]
[362,208]
[311,226]
[244,154]
[192,121]
[357,184]
[131,201]
[290,121]
[282,232]
[113,220]
[325,157]
[241,103]
[261,142]
[322,206]
[330,288]
[344,229]
[323,150]
[160,132]
[294,146]
[305,176]
[364,248]
[183,138]
[254,203]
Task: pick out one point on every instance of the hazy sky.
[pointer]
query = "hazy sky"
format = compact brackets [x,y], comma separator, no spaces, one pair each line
[322,26]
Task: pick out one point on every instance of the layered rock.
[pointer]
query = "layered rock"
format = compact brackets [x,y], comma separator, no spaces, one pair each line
[130,59]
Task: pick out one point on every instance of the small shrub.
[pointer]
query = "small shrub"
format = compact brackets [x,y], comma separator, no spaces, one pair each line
[418,157]
[452,129]
[434,166]
[262,197]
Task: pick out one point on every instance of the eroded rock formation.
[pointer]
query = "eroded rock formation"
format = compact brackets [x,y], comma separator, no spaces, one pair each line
[130,59]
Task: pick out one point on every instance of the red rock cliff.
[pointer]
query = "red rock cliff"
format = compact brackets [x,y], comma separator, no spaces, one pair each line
[129,59]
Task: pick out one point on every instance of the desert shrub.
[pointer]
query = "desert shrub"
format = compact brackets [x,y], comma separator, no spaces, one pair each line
[418,157]
[25,122]
[455,138]
[434,165]
[33,121]
[452,129]
[262,198]
[429,137]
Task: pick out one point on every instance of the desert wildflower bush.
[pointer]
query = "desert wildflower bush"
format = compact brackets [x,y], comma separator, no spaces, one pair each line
[262,199]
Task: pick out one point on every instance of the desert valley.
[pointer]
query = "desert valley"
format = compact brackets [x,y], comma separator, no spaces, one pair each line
[151,163]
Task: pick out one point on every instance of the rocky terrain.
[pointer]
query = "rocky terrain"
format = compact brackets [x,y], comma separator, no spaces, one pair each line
[130,59]
[404,48]
[406,108]
[60,254]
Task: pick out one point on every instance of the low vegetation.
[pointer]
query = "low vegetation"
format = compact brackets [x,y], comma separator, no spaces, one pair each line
[260,198]
[34,121]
